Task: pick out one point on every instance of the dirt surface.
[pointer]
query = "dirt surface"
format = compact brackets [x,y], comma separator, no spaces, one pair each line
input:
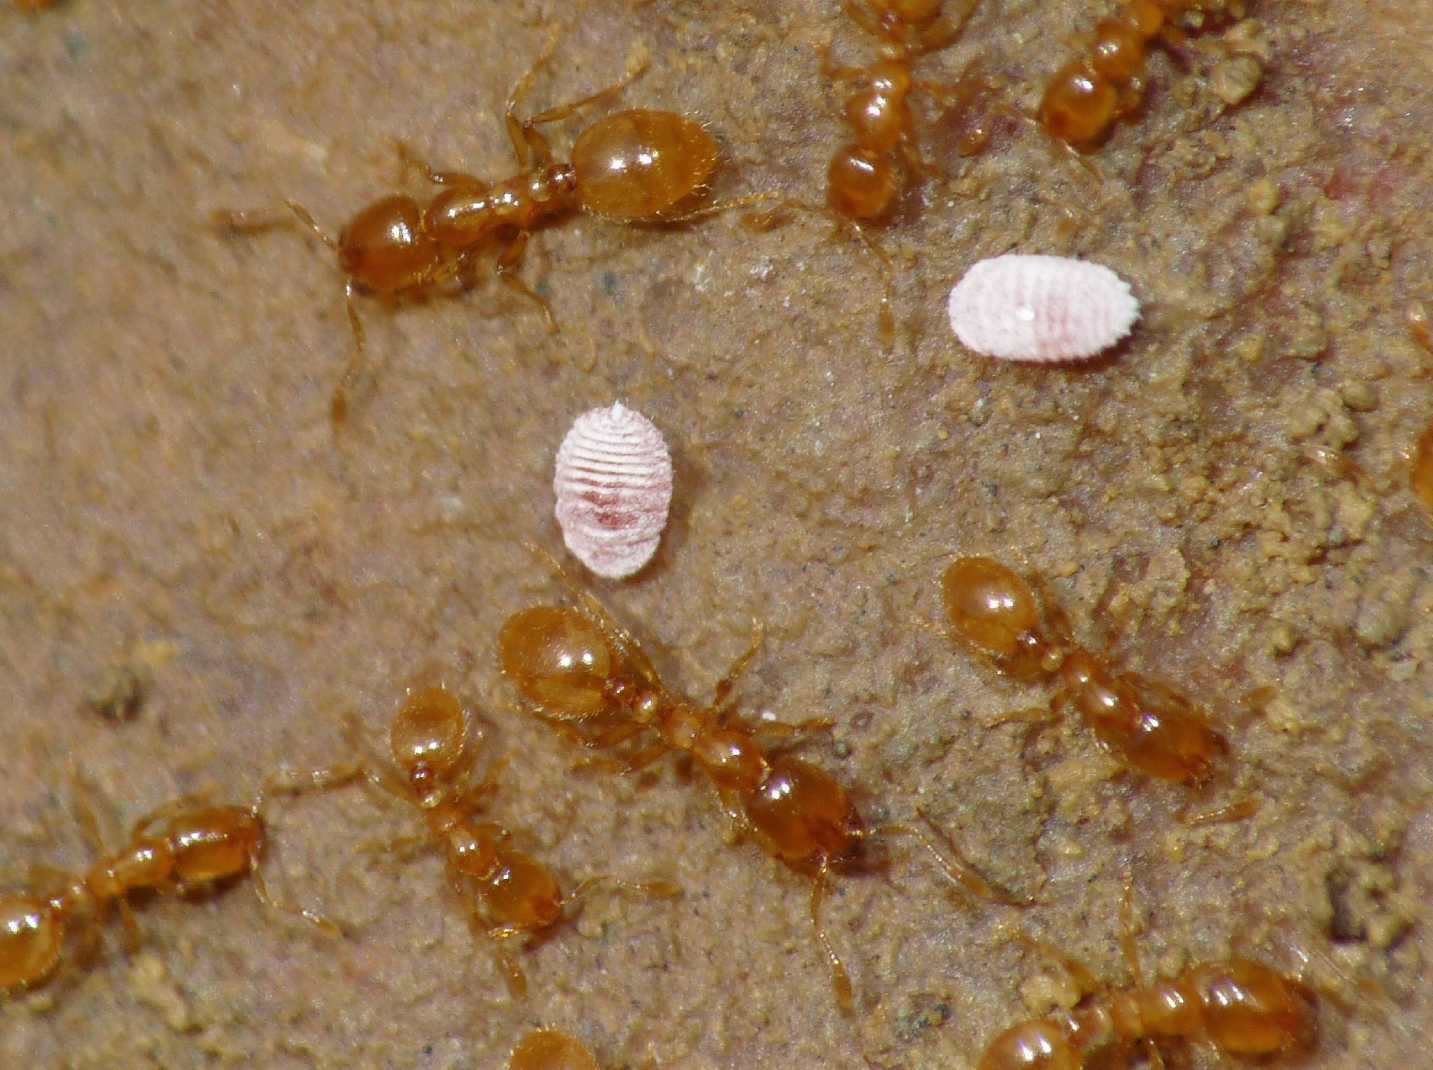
[198,578]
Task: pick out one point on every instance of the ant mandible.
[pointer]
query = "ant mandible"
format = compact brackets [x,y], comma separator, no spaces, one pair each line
[185,847]
[866,176]
[589,678]
[1237,1006]
[511,895]
[1089,95]
[635,166]
[1147,725]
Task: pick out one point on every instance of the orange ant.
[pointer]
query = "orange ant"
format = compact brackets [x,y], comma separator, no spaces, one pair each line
[1238,1006]
[550,1049]
[866,176]
[183,848]
[1088,95]
[635,166]
[516,896]
[1148,725]
[588,676]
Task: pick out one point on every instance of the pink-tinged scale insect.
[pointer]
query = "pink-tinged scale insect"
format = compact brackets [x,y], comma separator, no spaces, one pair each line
[613,485]
[1041,308]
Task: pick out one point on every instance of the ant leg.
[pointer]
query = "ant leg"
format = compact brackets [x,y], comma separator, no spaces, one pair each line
[528,142]
[943,32]
[508,261]
[727,683]
[1227,814]
[338,403]
[500,935]
[85,804]
[266,896]
[1084,978]
[836,73]
[307,220]
[845,998]
[658,889]
[631,765]
[522,147]
[782,731]
[403,846]
[916,161]
[170,809]
[479,792]
[242,221]
[720,206]
[456,179]
[741,827]
[314,780]
[863,18]
[956,870]
[374,770]
[1129,948]
[323,778]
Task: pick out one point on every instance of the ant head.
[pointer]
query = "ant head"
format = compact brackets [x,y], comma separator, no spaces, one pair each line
[429,735]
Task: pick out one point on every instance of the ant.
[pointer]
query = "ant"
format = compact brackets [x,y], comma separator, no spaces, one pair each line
[511,895]
[1238,1006]
[1148,725]
[866,176]
[1088,95]
[550,1049]
[589,678]
[635,166]
[184,848]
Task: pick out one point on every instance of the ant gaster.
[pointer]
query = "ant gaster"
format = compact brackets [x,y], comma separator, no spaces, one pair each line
[588,676]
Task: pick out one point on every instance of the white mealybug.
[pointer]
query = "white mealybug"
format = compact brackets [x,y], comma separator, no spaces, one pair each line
[613,484]
[1041,308]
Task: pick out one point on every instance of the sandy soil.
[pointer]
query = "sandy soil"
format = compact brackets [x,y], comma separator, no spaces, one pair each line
[1224,499]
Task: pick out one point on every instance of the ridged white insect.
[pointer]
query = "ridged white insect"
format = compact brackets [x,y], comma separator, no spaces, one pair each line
[1041,308]
[613,484]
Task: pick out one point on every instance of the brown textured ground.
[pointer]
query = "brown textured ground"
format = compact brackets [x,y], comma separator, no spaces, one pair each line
[173,501]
